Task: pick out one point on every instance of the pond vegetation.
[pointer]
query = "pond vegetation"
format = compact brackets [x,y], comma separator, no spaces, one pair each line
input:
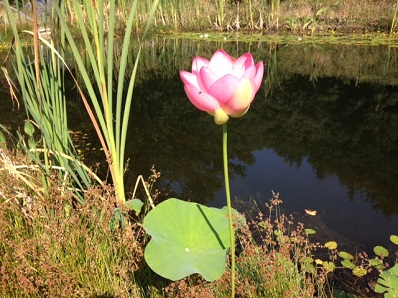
[73,232]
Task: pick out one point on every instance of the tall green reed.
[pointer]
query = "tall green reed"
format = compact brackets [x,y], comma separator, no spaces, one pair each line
[40,81]
[394,19]
[273,15]
[220,20]
[111,112]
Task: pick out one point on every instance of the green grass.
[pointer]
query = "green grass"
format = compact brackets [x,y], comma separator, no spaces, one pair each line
[48,252]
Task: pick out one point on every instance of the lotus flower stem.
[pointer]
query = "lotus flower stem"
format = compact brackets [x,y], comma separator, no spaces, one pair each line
[229,207]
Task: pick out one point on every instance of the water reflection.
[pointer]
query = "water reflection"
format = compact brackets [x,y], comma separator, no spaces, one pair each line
[338,136]
[349,221]
[322,130]
[340,128]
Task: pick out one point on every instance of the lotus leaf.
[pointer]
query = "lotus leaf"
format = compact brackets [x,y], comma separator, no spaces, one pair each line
[387,282]
[187,238]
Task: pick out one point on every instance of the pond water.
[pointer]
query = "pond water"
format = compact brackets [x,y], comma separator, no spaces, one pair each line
[322,131]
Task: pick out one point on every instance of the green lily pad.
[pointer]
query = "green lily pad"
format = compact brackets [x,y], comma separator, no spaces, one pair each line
[394,239]
[377,263]
[359,271]
[328,266]
[331,245]
[310,231]
[345,255]
[380,251]
[348,264]
[187,238]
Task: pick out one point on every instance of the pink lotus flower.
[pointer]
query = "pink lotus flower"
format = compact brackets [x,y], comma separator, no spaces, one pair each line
[223,86]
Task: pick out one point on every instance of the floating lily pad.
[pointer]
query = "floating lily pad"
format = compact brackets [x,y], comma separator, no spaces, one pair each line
[331,245]
[359,271]
[348,264]
[328,266]
[310,231]
[346,255]
[380,251]
[394,239]
[187,238]
[377,263]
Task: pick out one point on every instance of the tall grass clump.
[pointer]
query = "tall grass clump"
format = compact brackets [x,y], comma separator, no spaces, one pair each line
[39,76]
[111,99]
[107,88]
[394,19]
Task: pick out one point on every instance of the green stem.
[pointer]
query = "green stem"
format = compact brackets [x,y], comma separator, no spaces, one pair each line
[227,192]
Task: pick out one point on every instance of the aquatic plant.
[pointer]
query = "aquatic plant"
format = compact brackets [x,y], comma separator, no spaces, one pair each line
[182,243]
[40,85]
[109,115]
[224,86]
[187,238]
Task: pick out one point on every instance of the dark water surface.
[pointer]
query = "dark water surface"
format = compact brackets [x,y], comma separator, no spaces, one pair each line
[322,131]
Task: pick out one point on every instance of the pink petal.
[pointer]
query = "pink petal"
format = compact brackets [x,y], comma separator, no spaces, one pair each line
[247,60]
[201,100]
[206,78]
[224,88]
[239,67]
[221,63]
[198,63]
[240,62]
[250,72]
[258,80]
[242,97]
[189,78]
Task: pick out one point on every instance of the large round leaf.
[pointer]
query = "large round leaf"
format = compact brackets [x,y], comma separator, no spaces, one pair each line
[187,238]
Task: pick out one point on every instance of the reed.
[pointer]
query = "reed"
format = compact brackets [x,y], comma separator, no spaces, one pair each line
[40,85]
[232,15]
[110,112]
[394,19]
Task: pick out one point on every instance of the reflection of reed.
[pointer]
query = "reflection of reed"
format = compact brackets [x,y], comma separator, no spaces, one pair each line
[165,57]
[272,79]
